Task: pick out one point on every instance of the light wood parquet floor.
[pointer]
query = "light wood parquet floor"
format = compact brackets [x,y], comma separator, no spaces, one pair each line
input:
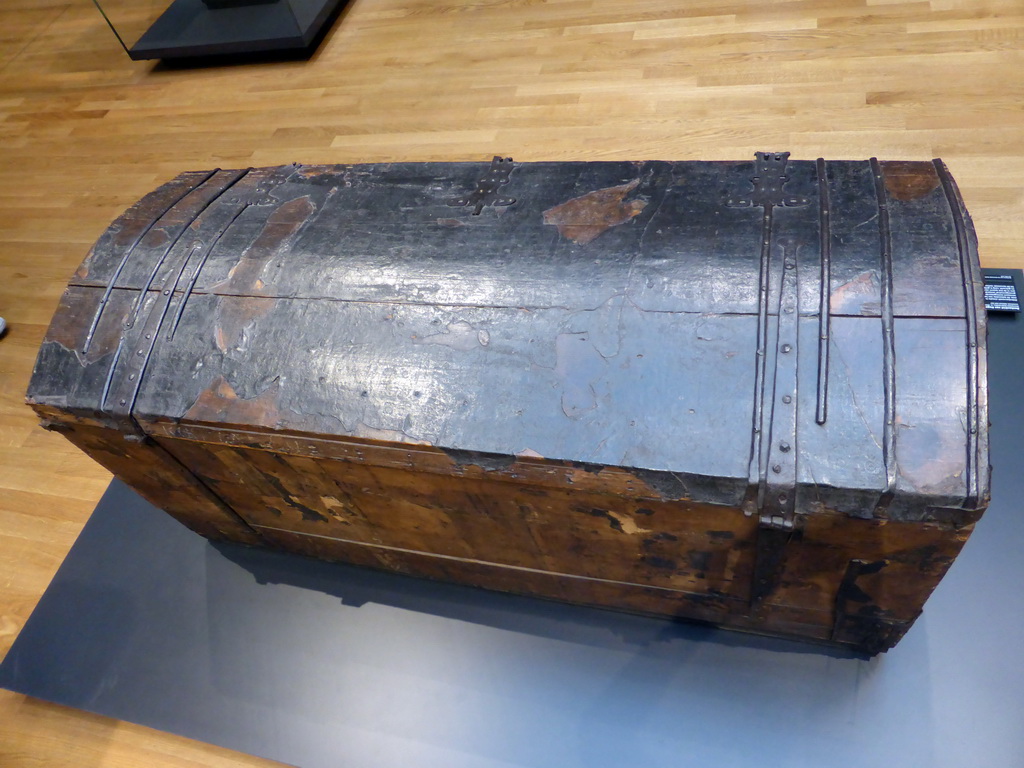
[84,132]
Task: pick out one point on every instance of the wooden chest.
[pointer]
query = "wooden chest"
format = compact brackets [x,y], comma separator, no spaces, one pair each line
[746,393]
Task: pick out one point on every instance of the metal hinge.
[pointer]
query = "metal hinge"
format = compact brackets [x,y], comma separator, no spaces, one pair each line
[769,179]
[486,192]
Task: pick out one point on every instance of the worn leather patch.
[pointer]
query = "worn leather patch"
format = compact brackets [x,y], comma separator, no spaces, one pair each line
[585,218]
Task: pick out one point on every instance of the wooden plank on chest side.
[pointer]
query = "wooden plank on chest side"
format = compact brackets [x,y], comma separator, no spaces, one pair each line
[714,608]
[156,476]
[677,545]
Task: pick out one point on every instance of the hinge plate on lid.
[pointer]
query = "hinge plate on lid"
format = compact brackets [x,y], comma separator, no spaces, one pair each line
[486,192]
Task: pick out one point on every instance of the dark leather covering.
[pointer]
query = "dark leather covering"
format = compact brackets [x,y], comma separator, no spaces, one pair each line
[610,315]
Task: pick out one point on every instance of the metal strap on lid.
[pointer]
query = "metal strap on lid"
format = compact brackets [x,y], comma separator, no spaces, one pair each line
[772,473]
[189,189]
[888,338]
[160,312]
[975,344]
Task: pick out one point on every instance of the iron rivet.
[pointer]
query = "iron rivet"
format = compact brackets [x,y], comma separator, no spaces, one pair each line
[122,402]
[139,353]
[782,498]
[167,293]
[149,336]
[131,377]
[790,265]
[787,399]
[786,349]
[777,469]
[784,447]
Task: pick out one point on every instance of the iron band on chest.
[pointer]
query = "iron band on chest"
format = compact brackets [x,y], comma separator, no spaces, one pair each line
[774,452]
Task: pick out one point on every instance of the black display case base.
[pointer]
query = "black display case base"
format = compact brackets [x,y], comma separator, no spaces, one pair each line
[316,664]
[191,29]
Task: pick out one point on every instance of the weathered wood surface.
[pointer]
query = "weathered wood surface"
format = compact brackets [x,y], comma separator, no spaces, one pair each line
[555,80]
[623,384]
